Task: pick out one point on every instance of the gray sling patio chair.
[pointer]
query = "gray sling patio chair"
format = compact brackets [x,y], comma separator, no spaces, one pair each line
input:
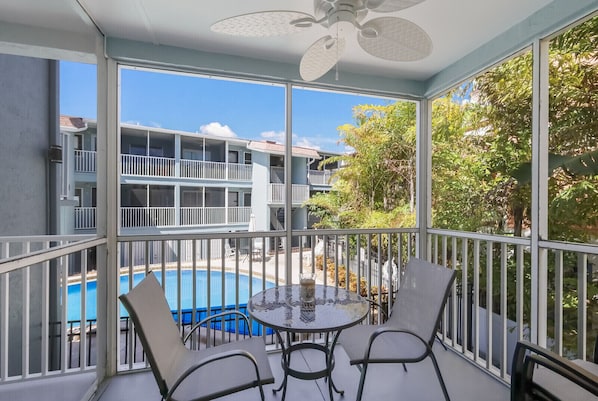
[538,374]
[184,374]
[409,333]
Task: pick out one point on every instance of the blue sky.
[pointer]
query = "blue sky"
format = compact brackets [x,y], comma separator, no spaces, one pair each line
[214,106]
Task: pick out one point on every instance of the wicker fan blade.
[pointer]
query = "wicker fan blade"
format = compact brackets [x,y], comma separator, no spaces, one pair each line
[321,57]
[389,6]
[394,39]
[262,24]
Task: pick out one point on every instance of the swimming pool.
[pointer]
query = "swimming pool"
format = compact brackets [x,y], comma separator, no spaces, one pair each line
[230,281]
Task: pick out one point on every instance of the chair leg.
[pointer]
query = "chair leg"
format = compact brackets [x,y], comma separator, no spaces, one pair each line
[442,385]
[363,369]
[262,392]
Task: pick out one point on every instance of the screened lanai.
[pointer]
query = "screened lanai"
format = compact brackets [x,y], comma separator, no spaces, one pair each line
[523,262]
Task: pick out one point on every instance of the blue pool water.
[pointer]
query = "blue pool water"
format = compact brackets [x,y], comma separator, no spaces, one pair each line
[74,291]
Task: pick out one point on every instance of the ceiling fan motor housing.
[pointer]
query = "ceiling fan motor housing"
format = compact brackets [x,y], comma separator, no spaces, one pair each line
[340,14]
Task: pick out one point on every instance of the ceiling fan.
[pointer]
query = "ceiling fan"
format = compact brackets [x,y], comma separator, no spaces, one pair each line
[389,38]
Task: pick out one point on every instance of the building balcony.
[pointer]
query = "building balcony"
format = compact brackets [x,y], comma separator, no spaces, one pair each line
[188,216]
[276,194]
[85,161]
[216,170]
[490,307]
[321,177]
[151,166]
[196,216]
[85,218]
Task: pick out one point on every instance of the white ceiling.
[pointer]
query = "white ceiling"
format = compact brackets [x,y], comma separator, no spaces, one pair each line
[456,27]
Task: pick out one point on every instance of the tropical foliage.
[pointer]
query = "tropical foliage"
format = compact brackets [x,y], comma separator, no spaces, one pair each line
[481,158]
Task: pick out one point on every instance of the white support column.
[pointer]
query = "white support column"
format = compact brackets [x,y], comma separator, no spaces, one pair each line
[177,186]
[288,179]
[423,195]
[539,229]
[108,194]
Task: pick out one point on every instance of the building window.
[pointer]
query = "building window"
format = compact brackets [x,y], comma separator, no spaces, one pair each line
[233,199]
[161,196]
[247,157]
[191,198]
[78,142]
[191,154]
[157,151]
[137,150]
[233,156]
[79,196]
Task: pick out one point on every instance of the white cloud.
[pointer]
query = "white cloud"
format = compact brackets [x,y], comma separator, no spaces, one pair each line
[155,124]
[277,136]
[217,129]
[306,143]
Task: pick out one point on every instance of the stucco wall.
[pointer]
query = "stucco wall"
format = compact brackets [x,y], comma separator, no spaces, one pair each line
[24,124]
[24,109]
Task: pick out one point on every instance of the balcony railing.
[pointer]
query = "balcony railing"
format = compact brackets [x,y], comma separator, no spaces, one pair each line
[148,216]
[319,177]
[147,166]
[276,193]
[199,216]
[85,218]
[239,214]
[493,304]
[215,170]
[41,327]
[189,216]
[85,161]
[240,172]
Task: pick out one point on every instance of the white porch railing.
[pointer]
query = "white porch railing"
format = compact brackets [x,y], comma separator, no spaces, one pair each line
[203,170]
[85,218]
[276,193]
[200,216]
[148,165]
[489,309]
[148,216]
[40,321]
[85,161]
[492,306]
[240,172]
[239,214]
[319,177]
[215,170]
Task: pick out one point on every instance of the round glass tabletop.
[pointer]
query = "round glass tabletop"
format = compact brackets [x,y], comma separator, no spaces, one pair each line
[282,309]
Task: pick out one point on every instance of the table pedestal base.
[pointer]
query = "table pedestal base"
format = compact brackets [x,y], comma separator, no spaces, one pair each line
[285,362]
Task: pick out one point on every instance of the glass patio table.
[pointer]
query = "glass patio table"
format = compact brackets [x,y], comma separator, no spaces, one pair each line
[332,310]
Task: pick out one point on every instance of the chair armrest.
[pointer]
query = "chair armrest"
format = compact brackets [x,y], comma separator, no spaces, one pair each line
[527,356]
[213,358]
[386,330]
[216,316]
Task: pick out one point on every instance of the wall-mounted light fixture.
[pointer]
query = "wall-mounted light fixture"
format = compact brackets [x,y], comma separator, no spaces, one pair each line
[55,154]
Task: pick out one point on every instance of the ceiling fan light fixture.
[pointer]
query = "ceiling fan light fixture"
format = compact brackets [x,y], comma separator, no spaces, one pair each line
[341,22]
[388,38]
